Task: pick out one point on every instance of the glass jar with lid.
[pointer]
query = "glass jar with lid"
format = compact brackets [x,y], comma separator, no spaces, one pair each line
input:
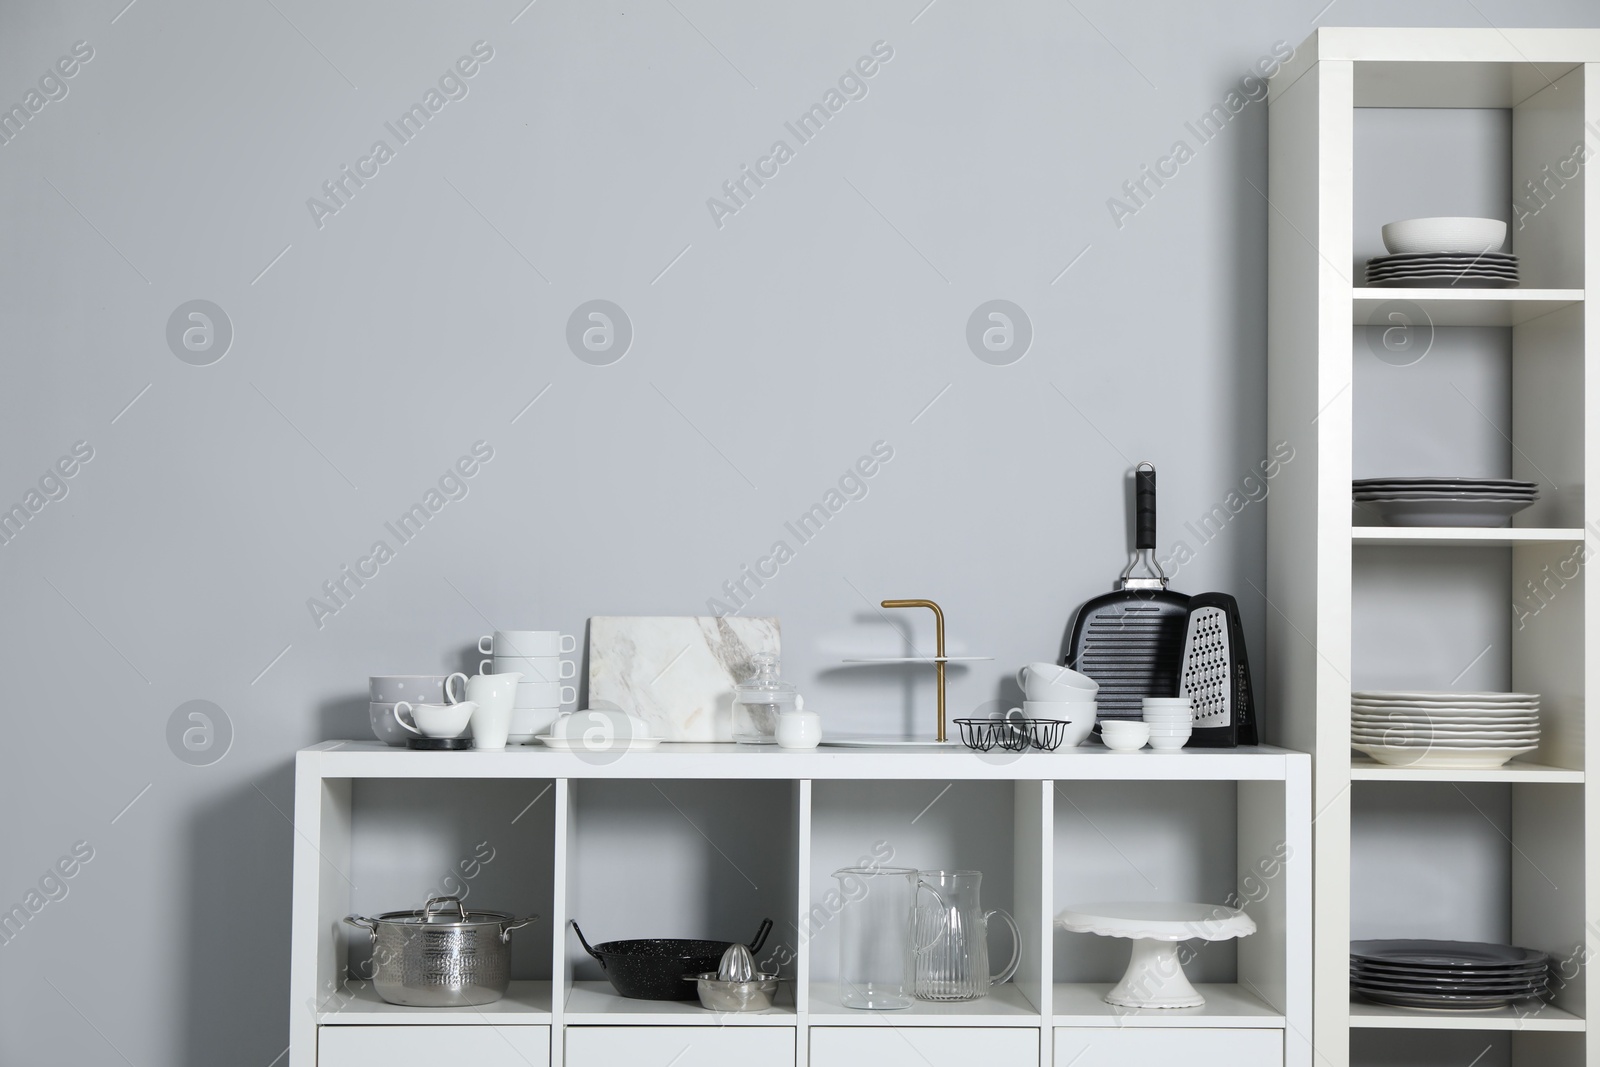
[759,700]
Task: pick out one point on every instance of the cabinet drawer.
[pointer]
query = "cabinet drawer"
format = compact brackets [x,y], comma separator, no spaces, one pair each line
[934,1046]
[429,1046]
[659,1046]
[1118,1047]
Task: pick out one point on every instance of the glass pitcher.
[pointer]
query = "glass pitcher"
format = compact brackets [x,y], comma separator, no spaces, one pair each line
[874,932]
[950,933]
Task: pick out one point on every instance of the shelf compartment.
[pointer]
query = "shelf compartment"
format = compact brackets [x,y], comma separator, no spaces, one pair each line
[1006,1005]
[596,1003]
[1492,537]
[525,1004]
[704,859]
[1227,1005]
[1464,307]
[1525,1017]
[1366,770]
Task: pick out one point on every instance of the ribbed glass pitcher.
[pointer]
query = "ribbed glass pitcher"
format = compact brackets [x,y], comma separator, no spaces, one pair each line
[950,938]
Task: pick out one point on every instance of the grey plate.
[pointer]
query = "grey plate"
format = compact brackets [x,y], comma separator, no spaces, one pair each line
[1448,281]
[1400,272]
[1389,972]
[1430,479]
[1446,512]
[1426,989]
[1427,952]
[1436,1002]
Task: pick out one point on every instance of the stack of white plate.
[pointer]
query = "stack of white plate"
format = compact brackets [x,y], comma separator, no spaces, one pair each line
[1460,730]
[1444,501]
[1444,270]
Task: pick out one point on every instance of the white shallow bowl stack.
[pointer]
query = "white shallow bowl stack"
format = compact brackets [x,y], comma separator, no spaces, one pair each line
[1456,730]
[1171,722]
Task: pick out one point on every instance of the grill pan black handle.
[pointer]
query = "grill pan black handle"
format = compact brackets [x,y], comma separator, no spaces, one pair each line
[761,935]
[1144,507]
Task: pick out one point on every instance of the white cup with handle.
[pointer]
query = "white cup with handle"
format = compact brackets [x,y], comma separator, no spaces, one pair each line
[532,668]
[1050,681]
[527,643]
[544,695]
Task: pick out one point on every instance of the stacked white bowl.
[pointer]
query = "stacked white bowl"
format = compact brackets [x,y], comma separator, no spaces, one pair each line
[537,656]
[1051,691]
[1171,722]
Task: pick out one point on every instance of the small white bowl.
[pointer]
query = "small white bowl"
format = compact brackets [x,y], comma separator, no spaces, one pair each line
[1168,744]
[1444,234]
[1121,735]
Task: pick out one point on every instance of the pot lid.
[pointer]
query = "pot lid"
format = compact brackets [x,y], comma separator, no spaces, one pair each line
[445,912]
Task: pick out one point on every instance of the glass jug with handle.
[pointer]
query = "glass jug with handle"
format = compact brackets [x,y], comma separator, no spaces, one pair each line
[950,938]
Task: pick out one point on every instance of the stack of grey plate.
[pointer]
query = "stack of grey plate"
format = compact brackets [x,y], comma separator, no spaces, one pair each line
[1444,501]
[1446,974]
[1442,270]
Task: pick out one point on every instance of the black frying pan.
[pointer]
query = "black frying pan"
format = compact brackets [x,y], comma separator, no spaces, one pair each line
[1131,641]
[653,968]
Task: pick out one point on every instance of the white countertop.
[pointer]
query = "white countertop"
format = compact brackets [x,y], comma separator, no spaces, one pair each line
[372,759]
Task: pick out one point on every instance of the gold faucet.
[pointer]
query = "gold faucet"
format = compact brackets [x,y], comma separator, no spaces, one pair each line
[939,659]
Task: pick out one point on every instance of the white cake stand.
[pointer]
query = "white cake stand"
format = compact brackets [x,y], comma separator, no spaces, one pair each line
[1155,977]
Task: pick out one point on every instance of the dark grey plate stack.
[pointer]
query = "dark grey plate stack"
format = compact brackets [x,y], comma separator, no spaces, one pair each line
[1452,975]
[1444,501]
[1444,270]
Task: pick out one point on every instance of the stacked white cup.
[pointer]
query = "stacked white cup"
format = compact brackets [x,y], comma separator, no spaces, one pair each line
[537,656]
[1171,722]
[1051,691]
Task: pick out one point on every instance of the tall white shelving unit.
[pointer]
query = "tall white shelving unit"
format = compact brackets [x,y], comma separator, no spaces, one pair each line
[1549,81]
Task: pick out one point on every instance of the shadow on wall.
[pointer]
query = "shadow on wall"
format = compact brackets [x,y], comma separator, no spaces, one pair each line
[345,718]
[236,924]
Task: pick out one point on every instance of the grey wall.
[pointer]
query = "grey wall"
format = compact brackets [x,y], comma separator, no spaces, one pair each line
[371,352]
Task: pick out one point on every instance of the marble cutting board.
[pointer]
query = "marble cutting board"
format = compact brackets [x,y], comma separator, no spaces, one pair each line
[677,673]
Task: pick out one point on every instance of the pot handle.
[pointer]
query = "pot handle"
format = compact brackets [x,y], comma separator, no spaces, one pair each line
[585,943]
[432,903]
[761,935]
[370,925]
[514,924]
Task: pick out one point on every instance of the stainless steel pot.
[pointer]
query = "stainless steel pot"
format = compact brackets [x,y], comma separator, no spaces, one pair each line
[441,956]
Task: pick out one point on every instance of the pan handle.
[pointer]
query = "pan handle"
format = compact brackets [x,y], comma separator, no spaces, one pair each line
[761,935]
[1144,506]
[585,943]
[369,925]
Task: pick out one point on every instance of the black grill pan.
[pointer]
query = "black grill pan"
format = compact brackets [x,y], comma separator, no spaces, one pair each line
[1131,641]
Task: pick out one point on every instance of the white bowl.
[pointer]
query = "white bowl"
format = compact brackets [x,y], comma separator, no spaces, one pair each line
[1445,234]
[1123,736]
[1168,744]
